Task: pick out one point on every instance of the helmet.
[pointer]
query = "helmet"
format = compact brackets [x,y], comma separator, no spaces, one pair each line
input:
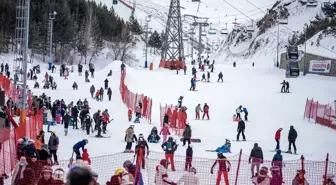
[164,162]
[99,110]
[127,163]
[192,169]
[119,171]
[141,135]
[53,132]
[106,110]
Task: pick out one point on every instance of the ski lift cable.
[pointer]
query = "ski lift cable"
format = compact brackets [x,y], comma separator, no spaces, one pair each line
[292,30]
[237,10]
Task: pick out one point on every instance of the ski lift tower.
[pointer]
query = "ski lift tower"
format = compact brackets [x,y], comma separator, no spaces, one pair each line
[201,22]
[21,54]
[172,48]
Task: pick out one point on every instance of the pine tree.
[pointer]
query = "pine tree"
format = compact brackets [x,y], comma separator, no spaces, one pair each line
[135,26]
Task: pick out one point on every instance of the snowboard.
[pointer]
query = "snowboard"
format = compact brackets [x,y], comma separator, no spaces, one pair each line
[290,153]
[101,137]
[240,140]
[193,140]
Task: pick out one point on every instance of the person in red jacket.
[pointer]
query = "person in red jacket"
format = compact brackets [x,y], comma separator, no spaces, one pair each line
[86,156]
[277,138]
[205,111]
[224,168]
[106,120]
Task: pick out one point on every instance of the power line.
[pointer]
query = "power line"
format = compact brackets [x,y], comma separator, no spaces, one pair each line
[291,29]
[237,10]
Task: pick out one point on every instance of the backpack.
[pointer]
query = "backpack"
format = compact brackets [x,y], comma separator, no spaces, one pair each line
[169,146]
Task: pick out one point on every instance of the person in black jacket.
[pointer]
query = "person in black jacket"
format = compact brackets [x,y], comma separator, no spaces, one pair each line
[189,155]
[80,69]
[74,114]
[241,129]
[99,122]
[95,118]
[44,153]
[106,83]
[165,119]
[109,93]
[256,157]
[292,135]
[140,150]
[186,135]
[66,120]
[88,124]
[153,137]
[30,149]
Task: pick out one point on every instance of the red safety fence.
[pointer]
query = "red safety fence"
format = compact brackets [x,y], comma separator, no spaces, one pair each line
[177,118]
[172,64]
[8,141]
[323,114]
[238,174]
[132,99]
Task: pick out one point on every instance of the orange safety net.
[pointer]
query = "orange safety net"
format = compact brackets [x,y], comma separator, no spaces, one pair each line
[238,173]
[177,118]
[323,114]
[172,64]
[132,99]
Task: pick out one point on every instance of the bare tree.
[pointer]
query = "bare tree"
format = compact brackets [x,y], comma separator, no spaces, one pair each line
[90,29]
[121,46]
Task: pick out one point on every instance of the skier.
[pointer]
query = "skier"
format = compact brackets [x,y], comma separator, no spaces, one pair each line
[106,120]
[122,67]
[87,76]
[161,175]
[153,136]
[88,124]
[106,83]
[137,114]
[101,93]
[99,122]
[238,111]
[252,64]
[86,156]
[129,115]
[277,138]
[262,178]
[109,93]
[257,158]
[203,77]
[292,135]
[193,84]
[80,69]
[92,69]
[53,146]
[197,110]
[129,138]
[241,129]
[226,148]
[74,86]
[36,85]
[283,87]
[277,160]
[74,114]
[79,145]
[140,150]
[234,64]
[224,168]
[193,70]
[66,120]
[208,76]
[95,118]
[206,111]
[164,132]
[170,147]
[189,156]
[220,76]
[179,101]
[110,73]
[287,87]
[187,134]
[245,113]
[185,70]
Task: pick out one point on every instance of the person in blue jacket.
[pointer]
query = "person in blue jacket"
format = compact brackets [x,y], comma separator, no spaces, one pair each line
[79,145]
[277,160]
[246,113]
[226,148]
[192,82]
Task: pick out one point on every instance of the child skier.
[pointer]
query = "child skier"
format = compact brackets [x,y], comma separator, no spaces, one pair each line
[129,115]
[226,148]
[238,111]
[220,76]
[140,150]
[245,113]
[198,109]
[153,137]
[180,101]
[129,138]
[137,114]
[206,111]
[189,156]
[86,156]
[224,168]
[203,77]
[164,132]
[88,124]
[208,76]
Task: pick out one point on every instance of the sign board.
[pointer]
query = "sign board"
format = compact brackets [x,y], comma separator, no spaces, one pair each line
[320,66]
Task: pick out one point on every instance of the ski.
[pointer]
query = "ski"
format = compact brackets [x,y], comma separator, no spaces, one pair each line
[101,137]
[210,150]
[290,153]
[130,151]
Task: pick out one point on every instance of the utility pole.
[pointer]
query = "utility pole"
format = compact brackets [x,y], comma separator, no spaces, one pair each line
[305,51]
[50,30]
[148,19]
[200,22]
[278,37]
[21,53]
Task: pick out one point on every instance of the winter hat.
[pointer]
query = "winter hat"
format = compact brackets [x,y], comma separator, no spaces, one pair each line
[141,135]
[263,171]
[280,129]
[119,171]
[127,163]
[47,169]
[58,174]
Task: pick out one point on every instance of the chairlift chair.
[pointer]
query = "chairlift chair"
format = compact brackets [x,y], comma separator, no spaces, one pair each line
[283,20]
[224,31]
[195,0]
[115,2]
[250,28]
[212,32]
[312,3]
[203,33]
